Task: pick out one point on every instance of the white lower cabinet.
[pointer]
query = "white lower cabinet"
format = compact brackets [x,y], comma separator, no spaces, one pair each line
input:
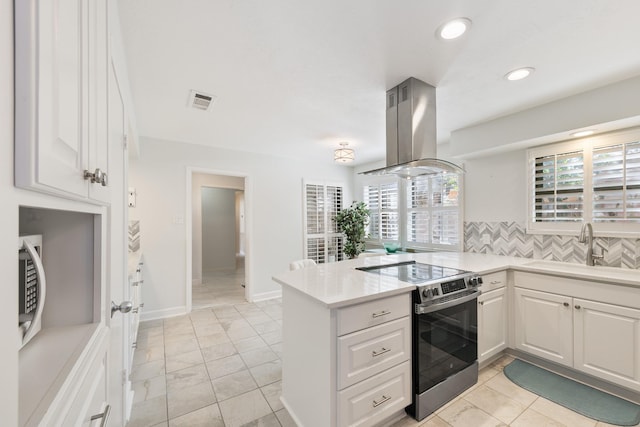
[600,339]
[544,325]
[349,365]
[373,360]
[607,342]
[91,401]
[376,398]
[492,323]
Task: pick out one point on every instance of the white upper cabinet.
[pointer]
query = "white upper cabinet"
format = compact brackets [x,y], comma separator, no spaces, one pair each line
[61,98]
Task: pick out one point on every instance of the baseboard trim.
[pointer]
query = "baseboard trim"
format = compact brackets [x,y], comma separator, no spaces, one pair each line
[290,411]
[266,296]
[583,378]
[162,314]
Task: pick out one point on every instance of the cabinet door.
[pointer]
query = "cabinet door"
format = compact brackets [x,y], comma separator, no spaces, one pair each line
[492,323]
[101,144]
[52,96]
[544,325]
[607,342]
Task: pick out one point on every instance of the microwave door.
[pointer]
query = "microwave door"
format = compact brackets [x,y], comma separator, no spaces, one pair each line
[33,326]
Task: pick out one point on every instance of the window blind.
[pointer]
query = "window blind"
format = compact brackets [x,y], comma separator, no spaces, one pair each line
[323,243]
[433,210]
[382,202]
[559,187]
[616,183]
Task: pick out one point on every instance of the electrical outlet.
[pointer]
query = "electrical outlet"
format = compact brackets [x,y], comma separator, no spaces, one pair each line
[486,239]
[178,219]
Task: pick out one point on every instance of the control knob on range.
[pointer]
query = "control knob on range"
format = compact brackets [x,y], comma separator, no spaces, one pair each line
[426,293]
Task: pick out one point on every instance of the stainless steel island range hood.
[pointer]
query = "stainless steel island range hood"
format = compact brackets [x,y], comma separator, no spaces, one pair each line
[411,132]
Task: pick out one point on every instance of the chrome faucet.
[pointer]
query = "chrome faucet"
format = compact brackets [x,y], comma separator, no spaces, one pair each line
[586,236]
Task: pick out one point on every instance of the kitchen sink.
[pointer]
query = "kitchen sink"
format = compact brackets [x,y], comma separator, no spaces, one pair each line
[597,271]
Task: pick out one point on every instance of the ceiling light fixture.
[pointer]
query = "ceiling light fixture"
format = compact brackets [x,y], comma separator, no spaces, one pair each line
[582,133]
[519,74]
[344,154]
[454,28]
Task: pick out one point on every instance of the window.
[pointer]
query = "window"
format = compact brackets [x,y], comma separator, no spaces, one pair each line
[421,213]
[382,201]
[559,184]
[322,242]
[592,180]
[616,183]
[433,211]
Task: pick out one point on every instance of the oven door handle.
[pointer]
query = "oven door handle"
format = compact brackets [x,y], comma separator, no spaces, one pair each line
[420,309]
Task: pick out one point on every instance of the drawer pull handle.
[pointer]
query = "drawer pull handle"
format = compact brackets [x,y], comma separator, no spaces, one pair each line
[495,282]
[381,401]
[104,415]
[381,352]
[380,314]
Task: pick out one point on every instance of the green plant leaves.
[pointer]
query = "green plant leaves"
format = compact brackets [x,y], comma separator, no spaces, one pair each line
[352,222]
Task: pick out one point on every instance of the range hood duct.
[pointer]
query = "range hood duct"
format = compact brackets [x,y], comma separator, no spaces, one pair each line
[411,132]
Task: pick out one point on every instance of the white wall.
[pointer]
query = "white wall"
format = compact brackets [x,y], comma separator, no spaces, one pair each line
[273,200]
[200,180]
[496,188]
[218,229]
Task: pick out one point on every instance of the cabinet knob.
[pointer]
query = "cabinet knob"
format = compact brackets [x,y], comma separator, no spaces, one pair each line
[97,177]
[481,302]
[124,307]
[578,307]
[566,304]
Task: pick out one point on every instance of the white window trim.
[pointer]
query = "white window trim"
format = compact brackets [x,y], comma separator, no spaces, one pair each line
[586,145]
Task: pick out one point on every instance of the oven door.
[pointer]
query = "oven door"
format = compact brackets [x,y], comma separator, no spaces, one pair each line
[445,341]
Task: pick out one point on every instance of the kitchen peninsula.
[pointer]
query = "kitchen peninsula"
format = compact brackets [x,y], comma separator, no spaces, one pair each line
[347,355]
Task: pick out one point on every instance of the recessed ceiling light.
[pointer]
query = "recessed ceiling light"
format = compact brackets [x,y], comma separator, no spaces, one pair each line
[519,74]
[582,133]
[454,28]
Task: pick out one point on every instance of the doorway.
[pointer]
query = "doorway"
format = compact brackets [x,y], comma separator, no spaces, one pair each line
[218,240]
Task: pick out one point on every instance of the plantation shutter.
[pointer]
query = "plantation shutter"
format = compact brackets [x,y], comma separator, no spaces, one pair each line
[323,242]
[559,187]
[382,202]
[616,183]
[433,210]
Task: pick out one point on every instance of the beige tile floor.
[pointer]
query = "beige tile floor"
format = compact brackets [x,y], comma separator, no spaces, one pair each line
[221,366]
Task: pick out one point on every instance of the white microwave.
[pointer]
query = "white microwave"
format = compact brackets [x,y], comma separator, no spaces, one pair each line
[31,287]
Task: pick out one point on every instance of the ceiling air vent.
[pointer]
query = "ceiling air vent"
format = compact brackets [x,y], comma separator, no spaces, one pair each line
[200,100]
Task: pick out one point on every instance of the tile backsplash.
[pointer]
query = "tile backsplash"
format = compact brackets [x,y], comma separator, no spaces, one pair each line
[511,239]
[134,236]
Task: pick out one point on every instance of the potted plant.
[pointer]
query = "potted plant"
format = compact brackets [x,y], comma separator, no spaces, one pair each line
[352,222]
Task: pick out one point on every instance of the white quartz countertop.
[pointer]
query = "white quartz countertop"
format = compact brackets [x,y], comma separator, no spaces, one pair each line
[340,284]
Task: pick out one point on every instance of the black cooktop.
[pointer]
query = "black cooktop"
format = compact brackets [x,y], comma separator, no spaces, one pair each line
[413,272]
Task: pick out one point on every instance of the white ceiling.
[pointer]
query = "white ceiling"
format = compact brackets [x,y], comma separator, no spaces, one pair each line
[296,77]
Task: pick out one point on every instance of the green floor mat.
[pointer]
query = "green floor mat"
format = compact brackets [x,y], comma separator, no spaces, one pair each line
[578,397]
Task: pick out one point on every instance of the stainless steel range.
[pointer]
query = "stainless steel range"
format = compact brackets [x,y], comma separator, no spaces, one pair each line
[445,331]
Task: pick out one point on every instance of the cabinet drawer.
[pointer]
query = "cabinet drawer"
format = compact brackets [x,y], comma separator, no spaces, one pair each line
[372,400]
[365,353]
[361,316]
[494,280]
[91,398]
